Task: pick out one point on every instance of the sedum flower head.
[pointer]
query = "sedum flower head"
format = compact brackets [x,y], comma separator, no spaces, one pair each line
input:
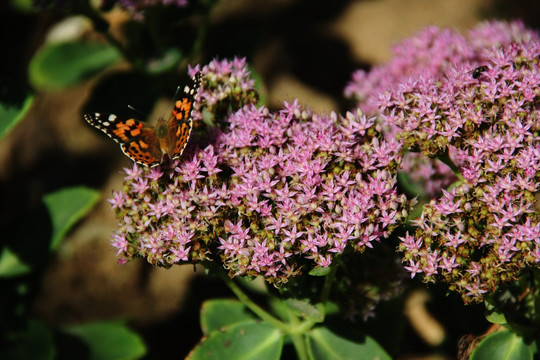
[431,54]
[228,86]
[274,194]
[484,231]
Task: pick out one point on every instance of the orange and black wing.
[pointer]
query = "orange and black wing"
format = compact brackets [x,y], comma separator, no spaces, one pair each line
[181,122]
[138,142]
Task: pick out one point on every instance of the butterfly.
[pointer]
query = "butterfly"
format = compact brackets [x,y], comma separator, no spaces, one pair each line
[146,144]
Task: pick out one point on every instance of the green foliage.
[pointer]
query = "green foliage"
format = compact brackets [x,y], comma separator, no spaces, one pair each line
[320,271]
[21,263]
[231,332]
[248,340]
[219,313]
[229,322]
[11,116]
[22,5]
[66,207]
[108,341]
[306,310]
[232,329]
[35,343]
[166,63]
[325,345]
[11,265]
[493,315]
[59,65]
[502,345]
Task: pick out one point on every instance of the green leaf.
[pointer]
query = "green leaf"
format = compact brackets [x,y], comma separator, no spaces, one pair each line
[39,341]
[280,309]
[11,265]
[253,340]
[493,316]
[325,345]
[502,345]
[320,271]
[219,313]
[306,310]
[23,5]
[108,340]
[167,62]
[59,65]
[66,207]
[36,343]
[11,116]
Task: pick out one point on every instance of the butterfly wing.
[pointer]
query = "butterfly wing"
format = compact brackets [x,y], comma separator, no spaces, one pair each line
[139,143]
[181,122]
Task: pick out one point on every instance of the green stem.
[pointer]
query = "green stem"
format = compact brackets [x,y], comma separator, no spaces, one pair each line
[328,282]
[297,335]
[445,158]
[295,329]
[300,346]
[260,312]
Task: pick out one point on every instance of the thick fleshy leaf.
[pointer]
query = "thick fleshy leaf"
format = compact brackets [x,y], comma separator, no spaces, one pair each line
[253,340]
[496,318]
[59,65]
[325,345]
[108,341]
[320,271]
[66,207]
[493,315]
[306,310]
[11,265]
[11,116]
[219,313]
[502,345]
[280,309]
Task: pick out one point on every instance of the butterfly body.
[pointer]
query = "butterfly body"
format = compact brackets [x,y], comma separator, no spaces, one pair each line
[146,144]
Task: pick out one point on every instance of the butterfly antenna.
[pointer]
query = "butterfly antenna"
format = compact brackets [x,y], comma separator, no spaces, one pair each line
[138,111]
[177,91]
[173,100]
[175,97]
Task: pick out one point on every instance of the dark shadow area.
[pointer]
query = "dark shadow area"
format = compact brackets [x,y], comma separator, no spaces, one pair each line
[177,336]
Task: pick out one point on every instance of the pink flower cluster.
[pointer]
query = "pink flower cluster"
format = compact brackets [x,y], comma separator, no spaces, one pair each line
[304,187]
[274,194]
[486,229]
[228,85]
[431,54]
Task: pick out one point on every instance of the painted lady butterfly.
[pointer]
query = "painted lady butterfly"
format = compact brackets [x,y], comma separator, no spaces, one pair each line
[147,144]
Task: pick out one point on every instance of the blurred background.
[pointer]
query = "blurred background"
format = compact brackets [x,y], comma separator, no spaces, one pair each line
[300,49]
